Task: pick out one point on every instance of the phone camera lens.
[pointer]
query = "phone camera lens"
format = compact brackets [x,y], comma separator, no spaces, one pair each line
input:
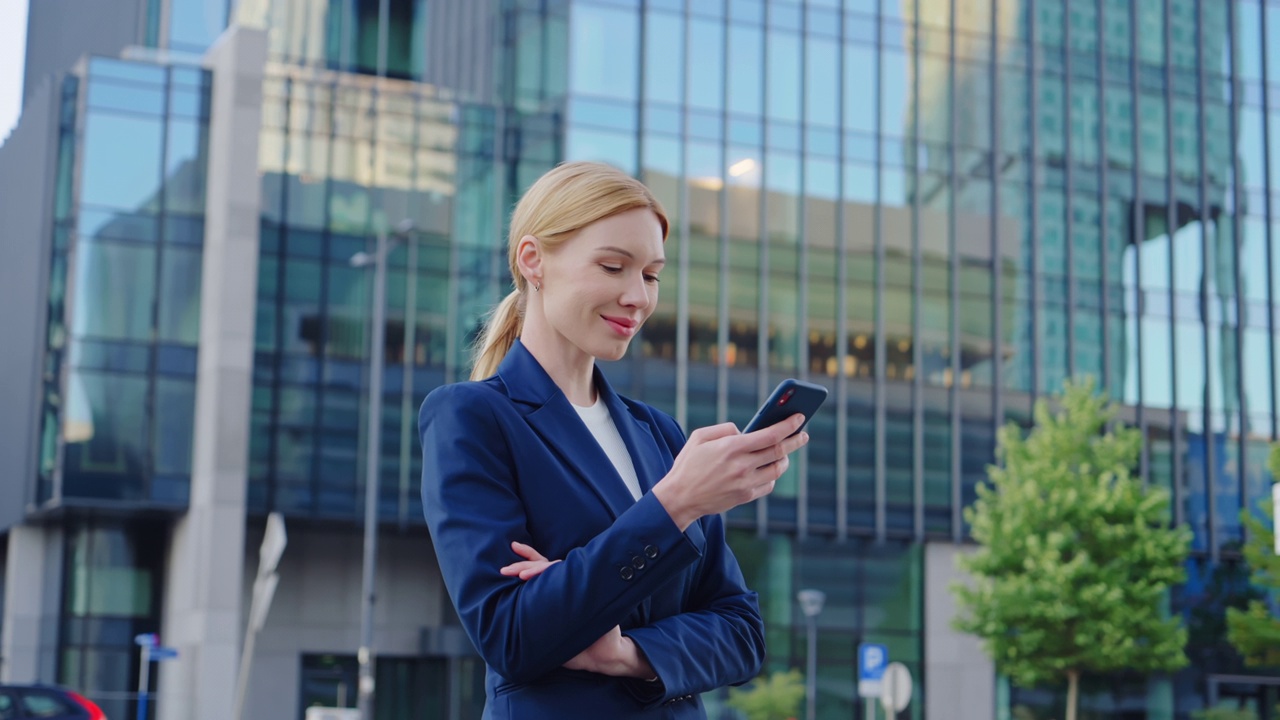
[786,396]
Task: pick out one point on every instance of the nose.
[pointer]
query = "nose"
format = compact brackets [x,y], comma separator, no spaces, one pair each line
[636,292]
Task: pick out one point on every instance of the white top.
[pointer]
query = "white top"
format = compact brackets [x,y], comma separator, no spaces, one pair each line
[600,423]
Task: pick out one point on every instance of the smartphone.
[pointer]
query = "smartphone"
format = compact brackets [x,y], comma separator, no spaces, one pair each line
[790,397]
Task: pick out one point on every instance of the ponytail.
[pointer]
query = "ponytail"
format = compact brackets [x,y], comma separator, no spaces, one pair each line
[499,334]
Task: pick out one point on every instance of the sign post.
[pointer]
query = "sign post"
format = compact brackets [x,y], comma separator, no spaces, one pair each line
[895,694]
[144,642]
[872,660]
[274,540]
[151,651]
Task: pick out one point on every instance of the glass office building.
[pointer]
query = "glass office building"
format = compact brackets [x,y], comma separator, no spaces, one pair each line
[939,209]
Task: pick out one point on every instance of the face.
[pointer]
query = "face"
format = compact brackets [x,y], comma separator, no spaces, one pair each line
[599,286]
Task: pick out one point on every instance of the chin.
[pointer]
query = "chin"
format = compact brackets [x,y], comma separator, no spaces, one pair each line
[611,351]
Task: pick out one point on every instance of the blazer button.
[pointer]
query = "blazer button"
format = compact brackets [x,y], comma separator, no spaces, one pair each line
[637,562]
[651,552]
[626,572]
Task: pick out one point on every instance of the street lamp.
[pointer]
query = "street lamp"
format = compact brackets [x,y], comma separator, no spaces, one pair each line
[811,605]
[373,455]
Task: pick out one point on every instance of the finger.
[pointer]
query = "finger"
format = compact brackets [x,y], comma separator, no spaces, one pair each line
[526,551]
[774,453]
[714,432]
[536,569]
[517,568]
[773,434]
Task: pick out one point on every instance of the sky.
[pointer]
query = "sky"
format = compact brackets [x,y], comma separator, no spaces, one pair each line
[13,47]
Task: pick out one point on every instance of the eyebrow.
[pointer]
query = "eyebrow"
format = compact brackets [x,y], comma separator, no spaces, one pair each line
[627,253]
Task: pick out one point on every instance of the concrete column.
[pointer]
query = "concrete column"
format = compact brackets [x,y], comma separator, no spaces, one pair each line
[32,598]
[959,677]
[203,612]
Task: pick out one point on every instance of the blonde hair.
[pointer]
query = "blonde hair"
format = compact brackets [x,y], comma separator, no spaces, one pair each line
[566,199]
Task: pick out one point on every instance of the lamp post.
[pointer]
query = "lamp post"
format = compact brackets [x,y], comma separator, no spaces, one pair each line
[373,455]
[811,602]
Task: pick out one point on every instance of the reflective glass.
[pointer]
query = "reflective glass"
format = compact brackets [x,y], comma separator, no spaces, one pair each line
[115,290]
[126,97]
[121,161]
[175,426]
[617,149]
[861,446]
[895,90]
[860,68]
[195,24]
[186,167]
[664,58]
[782,77]
[106,435]
[822,91]
[604,51]
[746,72]
[179,311]
[706,64]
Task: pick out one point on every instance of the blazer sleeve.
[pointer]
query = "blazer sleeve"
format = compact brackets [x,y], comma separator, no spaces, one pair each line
[473,511]
[718,641]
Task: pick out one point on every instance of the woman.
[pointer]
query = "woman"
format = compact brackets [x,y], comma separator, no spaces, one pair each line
[644,606]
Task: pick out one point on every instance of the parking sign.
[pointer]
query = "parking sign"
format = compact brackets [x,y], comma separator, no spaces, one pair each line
[872,660]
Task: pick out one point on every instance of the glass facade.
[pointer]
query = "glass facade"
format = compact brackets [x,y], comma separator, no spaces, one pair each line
[124,301]
[939,209]
[343,158]
[942,209]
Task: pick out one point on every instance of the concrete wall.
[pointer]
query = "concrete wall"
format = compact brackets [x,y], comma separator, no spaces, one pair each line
[203,612]
[317,607]
[60,32]
[959,678]
[27,165]
[33,595]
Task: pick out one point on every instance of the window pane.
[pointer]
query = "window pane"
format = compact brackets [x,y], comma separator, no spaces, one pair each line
[604,52]
[106,435]
[175,426]
[121,161]
[185,167]
[115,288]
[180,296]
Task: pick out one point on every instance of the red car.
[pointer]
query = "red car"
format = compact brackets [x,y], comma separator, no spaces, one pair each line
[18,702]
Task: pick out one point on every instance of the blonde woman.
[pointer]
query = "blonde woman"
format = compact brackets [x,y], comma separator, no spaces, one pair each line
[578,531]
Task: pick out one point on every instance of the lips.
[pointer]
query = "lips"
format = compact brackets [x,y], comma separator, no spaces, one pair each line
[621,325]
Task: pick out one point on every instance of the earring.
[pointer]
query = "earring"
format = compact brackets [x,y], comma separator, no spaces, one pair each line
[537,287]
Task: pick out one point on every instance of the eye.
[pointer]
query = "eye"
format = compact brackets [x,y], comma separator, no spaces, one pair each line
[612,269]
[652,279]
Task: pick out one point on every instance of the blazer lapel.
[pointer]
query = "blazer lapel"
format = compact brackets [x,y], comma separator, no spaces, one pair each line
[637,434]
[558,424]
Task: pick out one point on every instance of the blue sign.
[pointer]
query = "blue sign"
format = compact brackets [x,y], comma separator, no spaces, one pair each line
[147,640]
[872,660]
[163,653]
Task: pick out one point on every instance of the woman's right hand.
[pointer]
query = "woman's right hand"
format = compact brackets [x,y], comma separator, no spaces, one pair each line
[721,468]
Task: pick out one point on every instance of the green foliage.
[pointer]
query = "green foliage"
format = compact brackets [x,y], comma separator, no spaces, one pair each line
[1075,556]
[773,697]
[1254,631]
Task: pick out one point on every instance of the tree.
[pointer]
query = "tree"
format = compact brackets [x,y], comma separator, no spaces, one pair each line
[1075,556]
[1254,631]
[774,697]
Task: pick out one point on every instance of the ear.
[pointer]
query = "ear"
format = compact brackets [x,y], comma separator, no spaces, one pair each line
[529,259]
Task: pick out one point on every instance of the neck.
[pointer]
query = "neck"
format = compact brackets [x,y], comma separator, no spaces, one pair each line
[572,370]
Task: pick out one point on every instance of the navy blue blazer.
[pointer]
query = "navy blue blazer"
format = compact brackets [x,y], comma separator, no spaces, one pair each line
[508,458]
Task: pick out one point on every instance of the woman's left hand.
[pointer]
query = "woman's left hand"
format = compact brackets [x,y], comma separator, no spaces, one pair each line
[613,654]
[532,565]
